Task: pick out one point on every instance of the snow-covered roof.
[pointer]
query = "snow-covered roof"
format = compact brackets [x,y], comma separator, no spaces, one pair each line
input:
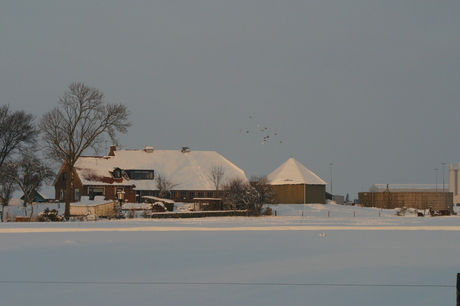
[47,192]
[408,187]
[292,172]
[158,199]
[189,170]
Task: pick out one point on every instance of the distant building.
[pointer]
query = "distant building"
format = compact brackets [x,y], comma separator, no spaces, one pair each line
[295,184]
[418,196]
[454,183]
[40,197]
[133,173]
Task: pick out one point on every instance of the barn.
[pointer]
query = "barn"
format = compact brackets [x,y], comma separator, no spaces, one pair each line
[295,184]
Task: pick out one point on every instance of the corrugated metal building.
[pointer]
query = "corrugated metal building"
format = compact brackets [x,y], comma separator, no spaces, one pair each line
[418,196]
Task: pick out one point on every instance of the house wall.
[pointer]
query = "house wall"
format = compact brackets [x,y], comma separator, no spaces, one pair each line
[417,200]
[185,196]
[110,192]
[131,195]
[60,185]
[300,194]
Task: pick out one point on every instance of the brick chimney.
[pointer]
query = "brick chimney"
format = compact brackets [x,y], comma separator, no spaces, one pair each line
[113,148]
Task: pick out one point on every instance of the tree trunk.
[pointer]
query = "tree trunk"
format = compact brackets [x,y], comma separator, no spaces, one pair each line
[68,192]
[31,212]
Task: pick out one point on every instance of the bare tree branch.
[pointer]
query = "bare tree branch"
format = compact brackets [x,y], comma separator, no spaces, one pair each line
[216,175]
[29,173]
[17,129]
[164,186]
[80,121]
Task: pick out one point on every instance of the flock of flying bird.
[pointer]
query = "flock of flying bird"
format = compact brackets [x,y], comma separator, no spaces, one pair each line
[264,129]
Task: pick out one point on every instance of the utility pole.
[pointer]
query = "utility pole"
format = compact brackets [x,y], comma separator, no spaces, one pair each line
[443,164]
[331,164]
[458,289]
[436,179]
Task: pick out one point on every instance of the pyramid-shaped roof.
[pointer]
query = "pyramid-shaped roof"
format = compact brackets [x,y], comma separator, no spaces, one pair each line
[293,172]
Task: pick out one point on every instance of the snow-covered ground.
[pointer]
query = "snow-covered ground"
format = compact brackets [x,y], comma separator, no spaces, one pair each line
[306,255]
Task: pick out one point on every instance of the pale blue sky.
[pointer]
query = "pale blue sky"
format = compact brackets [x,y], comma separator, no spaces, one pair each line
[370,86]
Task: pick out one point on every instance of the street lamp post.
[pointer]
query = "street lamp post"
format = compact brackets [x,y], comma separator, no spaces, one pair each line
[443,164]
[436,179]
[331,164]
[121,199]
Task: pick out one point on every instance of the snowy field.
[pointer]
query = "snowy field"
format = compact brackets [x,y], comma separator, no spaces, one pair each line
[306,255]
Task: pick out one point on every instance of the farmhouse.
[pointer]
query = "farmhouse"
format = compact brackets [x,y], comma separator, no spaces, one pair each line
[295,184]
[134,173]
[419,196]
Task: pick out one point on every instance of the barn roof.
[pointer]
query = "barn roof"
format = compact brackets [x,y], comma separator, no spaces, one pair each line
[188,169]
[293,172]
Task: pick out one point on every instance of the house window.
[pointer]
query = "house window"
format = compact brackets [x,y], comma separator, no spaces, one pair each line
[61,194]
[77,194]
[141,174]
[116,173]
[201,194]
[95,191]
[191,195]
[210,194]
[183,194]
[64,176]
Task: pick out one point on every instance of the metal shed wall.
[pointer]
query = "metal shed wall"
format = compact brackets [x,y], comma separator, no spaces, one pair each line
[417,200]
[300,194]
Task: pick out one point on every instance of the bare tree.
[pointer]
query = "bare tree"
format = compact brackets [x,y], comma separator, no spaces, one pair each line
[263,193]
[79,122]
[250,196]
[235,194]
[29,173]
[17,130]
[7,189]
[164,186]
[216,175]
